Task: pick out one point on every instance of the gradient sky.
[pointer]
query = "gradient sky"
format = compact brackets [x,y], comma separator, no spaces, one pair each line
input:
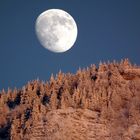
[107,30]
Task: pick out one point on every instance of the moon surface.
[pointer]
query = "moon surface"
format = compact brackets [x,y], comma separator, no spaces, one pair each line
[56,30]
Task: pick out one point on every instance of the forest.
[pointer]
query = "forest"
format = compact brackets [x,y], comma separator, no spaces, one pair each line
[96,103]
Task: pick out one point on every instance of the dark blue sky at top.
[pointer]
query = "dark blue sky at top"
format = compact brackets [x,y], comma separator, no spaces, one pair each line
[107,30]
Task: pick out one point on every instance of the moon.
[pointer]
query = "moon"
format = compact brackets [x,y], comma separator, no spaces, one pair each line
[56,30]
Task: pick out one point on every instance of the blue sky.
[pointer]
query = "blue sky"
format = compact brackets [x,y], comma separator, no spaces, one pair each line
[107,30]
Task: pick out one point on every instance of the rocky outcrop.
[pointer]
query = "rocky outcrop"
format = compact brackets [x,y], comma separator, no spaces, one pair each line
[97,103]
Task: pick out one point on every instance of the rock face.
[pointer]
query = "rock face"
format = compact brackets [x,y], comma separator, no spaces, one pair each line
[94,104]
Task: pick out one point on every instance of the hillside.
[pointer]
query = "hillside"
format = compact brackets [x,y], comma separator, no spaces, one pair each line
[96,103]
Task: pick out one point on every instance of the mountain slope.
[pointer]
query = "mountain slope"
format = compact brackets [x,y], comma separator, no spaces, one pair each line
[94,104]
